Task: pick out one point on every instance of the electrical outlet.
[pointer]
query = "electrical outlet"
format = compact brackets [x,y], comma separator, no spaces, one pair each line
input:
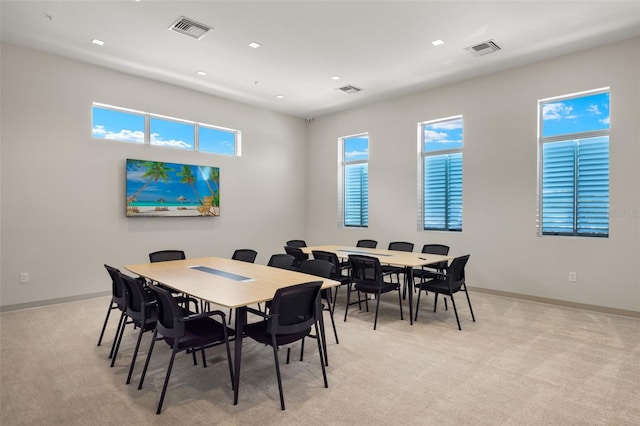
[24,277]
[572,277]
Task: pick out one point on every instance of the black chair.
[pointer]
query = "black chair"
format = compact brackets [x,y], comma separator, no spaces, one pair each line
[245,255]
[337,270]
[432,271]
[367,243]
[184,330]
[281,260]
[448,284]
[118,301]
[141,310]
[166,255]
[397,270]
[294,311]
[322,268]
[296,243]
[367,277]
[298,256]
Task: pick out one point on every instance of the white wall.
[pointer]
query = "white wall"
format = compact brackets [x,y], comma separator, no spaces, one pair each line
[500,178]
[62,199]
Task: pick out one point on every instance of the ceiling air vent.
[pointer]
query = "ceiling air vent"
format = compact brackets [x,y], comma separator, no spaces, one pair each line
[483,48]
[349,89]
[189,27]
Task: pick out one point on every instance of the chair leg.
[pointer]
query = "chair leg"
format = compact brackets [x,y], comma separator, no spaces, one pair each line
[135,354]
[166,379]
[115,338]
[204,359]
[275,356]
[455,311]
[118,340]
[333,324]
[375,321]
[400,303]
[417,305]
[435,302]
[322,362]
[146,363]
[104,326]
[302,349]
[469,302]
[322,336]
[346,309]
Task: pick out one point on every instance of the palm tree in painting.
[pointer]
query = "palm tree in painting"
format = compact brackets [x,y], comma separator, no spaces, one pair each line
[213,177]
[155,172]
[186,176]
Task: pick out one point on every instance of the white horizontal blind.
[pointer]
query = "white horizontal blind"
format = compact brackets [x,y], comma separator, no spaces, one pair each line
[355,156]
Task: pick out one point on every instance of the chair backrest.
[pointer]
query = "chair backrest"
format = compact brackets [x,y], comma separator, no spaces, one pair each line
[118,293]
[165,255]
[317,267]
[455,273]
[365,269]
[245,255]
[295,308]
[329,257]
[297,253]
[136,298]
[400,246]
[367,243]
[281,260]
[440,249]
[169,313]
[296,243]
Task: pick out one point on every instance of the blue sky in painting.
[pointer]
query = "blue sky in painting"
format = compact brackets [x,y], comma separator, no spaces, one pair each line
[442,135]
[356,148]
[130,127]
[172,190]
[583,114]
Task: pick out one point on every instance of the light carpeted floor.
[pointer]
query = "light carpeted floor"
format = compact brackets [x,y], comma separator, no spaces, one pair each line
[522,363]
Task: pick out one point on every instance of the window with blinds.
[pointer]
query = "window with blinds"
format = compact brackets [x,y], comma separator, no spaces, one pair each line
[355,174]
[441,150]
[574,165]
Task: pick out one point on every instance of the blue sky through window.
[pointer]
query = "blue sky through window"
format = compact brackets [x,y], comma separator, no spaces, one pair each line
[356,148]
[118,125]
[171,133]
[442,135]
[216,141]
[583,114]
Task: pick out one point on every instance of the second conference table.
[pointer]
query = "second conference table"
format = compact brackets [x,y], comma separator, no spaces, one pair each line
[228,283]
[405,259]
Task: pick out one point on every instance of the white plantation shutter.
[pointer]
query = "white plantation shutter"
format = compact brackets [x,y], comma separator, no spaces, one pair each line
[356,195]
[443,192]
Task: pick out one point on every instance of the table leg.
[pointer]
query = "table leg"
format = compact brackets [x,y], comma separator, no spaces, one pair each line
[409,276]
[241,320]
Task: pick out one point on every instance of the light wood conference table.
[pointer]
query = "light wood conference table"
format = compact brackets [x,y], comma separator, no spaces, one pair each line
[405,259]
[228,283]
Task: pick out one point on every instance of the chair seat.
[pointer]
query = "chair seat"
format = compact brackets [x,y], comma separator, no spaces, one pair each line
[201,332]
[384,287]
[426,274]
[437,286]
[258,332]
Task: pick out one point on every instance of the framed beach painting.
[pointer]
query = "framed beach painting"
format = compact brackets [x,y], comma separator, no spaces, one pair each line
[157,189]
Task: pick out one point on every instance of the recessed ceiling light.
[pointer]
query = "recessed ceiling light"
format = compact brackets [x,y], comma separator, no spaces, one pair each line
[437,42]
[201,72]
[254,45]
[280,96]
[336,77]
[97,42]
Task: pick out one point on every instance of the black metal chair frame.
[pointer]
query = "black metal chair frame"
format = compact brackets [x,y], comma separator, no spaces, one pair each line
[367,243]
[294,311]
[184,331]
[141,310]
[448,284]
[367,277]
[296,243]
[298,255]
[281,260]
[118,301]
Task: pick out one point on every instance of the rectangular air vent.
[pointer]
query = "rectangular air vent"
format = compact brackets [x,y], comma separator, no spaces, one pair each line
[349,89]
[189,27]
[483,48]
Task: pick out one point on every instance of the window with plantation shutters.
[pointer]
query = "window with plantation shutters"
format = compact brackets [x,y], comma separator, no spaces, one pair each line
[574,165]
[441,150]
[355,176]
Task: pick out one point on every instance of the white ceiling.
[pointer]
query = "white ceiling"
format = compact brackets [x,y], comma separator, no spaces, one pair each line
[382,47]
